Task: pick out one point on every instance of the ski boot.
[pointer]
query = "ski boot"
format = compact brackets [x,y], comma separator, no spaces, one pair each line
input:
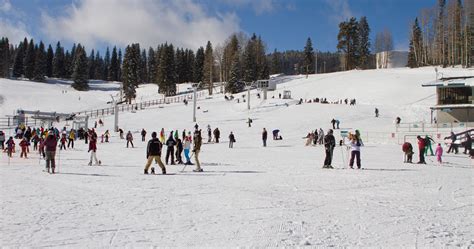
[197,170]
[145,172]
[163,171]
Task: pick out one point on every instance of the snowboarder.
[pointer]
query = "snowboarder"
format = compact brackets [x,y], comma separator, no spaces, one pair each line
[264,137]
[421,147]
[153,152]
[217,135]
[170,143]
[24,145]
[407,148]
[453,147]
[50,151]
[129,139]
[231,140]
[197,150]
[439,153]
[187,148]
[329,144]
[179,151]
[376,112]
[93,148]
[72,136]
[355,144]
[428,141]
[143,133]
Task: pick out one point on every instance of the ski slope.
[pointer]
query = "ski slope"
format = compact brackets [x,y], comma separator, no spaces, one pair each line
[248,196]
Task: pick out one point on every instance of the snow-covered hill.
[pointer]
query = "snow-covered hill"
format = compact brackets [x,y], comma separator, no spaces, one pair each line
[251,196]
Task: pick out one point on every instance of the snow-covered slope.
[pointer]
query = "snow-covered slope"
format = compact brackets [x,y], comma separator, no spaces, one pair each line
[248,196]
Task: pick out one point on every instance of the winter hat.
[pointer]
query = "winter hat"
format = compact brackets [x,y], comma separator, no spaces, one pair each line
[153,135]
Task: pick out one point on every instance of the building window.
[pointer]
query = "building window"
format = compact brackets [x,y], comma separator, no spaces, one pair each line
[454,95]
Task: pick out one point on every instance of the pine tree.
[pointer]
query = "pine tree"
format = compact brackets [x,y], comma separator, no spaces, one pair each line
[151,65]
[364,43]
[91,64]
[232,49]
[80,74]
[143,67]
[99,66]
[208,68]
[249,60]
[68,62]
[416,43]
[131,71]
[114,66]
[263,70]
[70,69]
[58,62]
[18,69]
[106,66]
[234,85]
[411,55]
[120,64]
[40,63]
[348,42]
[49,61]
[166,72]
[29,61]
[308,62]
[4,57]
[190,58]
[276,62]
[199,65]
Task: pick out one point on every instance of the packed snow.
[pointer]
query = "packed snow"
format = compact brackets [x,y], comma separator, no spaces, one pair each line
[248,196]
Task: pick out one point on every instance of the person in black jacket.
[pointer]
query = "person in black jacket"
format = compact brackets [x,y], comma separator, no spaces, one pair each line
[217,135]
[468,144]
[329,144]
[231,140]
[264,137]
[179,151]
[170,143]
[153,151]
[143,133]
[453,147]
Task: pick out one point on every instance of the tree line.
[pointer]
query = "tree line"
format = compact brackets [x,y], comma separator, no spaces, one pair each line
[441,35]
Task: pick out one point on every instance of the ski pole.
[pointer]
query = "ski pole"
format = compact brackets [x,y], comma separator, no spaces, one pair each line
[182,170]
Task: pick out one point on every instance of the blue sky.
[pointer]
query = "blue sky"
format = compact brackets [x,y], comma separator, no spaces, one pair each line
[283,24]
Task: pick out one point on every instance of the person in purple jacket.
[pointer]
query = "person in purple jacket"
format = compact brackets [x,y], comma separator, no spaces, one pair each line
[50,145]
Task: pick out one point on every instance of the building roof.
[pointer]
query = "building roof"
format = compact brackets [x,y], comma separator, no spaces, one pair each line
[454,106]
[451,82]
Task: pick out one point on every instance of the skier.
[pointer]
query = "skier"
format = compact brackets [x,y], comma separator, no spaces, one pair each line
[35,139]
[250,122]
[333,122]
[428,141]
[153,152]
[107,135]
[101,123]
[41,147]
[355,144]
[264,137]
[93,148]
[209,134]
[143,133]
[170,143]
[421,147]
[162,135]
[63,142]
[196,150]
[407,148]
[72,136]
[217,135]
[329,144]
[179,151]
[129,139]
[95,125]
[231,140]
[50,152]
[176,135]
[315,137]
[24,145]
[337,123]
[2,140]
[376,112]
[187,148]
[397,121]
[453,146]
[10,146]
[321,136]
[439,153]
[121,133]
[468,144]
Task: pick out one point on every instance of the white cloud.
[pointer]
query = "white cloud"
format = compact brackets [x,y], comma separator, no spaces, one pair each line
[182,22]
[5,5]
[341,10]
[259,6]
[14,31]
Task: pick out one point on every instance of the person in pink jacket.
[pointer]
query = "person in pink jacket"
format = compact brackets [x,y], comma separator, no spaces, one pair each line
[439,153]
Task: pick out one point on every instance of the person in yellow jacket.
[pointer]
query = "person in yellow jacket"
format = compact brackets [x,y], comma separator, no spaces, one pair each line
[71,138]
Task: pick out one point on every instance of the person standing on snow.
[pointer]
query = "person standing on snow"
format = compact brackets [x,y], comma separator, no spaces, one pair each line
[23,146]
[468,144]
[264,137]
[428,141]
[162,136]
[50,152]
[187,148]
[11,146]
[121,133]
[179,151]
[453,147]
[197,150]
[143,133]
[209,134]
[63,142]
[217,135]
[421,147]
[376,112]
[333,122]
[355,144]
[231,140]
[321,136]
[170,143]
[407,148]
[329,144]
[2,140]
[439,153]
[72,136]
[107,135]
[93,147]
[153,152]
[129,139]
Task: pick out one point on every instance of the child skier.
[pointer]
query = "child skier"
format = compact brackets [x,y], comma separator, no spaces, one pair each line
[187,148]
[10,146]
[130,139]
[23,145]
[63,142]
[143,133]
[407,148]
[72,137]
[439,153]
[93,148]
